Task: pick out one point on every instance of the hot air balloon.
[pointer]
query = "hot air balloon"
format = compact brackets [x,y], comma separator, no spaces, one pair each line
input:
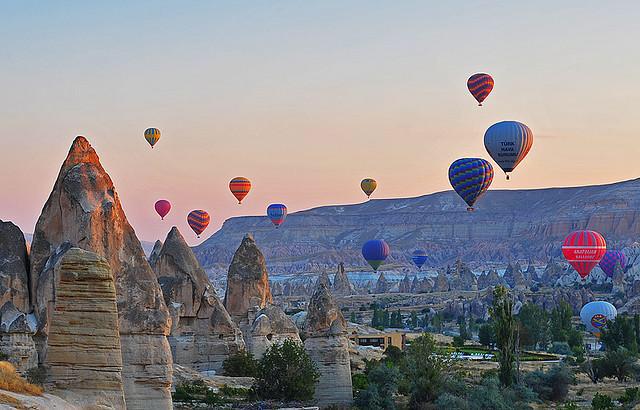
[470,178]
[152,135]
[508,142]
[198,221]
[368,185]
[375,252]
[480,85]
[419,257]
[277,213]
[596,315]
[583,250]
[609,260]
[163,207]
[240,187]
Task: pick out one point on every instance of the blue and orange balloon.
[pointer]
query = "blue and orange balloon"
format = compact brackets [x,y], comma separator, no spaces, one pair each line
[375,252]
[198,220]
[419,257]
[609,261]
[470,178]
[152,135]
[508,142]
[480,85]
[277,213]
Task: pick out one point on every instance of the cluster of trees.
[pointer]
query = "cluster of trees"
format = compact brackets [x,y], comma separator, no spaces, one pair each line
[382,318]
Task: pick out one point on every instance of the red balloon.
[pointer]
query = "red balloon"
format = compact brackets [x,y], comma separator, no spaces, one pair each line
[583,250]
[163,207]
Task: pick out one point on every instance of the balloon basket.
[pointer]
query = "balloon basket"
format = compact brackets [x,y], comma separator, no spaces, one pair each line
[470,209]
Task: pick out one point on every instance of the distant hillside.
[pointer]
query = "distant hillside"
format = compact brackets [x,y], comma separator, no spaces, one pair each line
[507,224]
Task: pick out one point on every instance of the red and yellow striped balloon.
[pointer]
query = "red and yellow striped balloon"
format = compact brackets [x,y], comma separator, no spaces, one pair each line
[240,187]
[480,85]
[198,220]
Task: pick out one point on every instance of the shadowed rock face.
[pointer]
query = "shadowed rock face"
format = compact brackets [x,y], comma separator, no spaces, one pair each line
[14,265]
[84,361]
[248,280]
[203,334]
[84,211]
[328,347]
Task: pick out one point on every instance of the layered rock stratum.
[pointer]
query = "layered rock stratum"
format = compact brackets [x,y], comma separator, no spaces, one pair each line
[84,211]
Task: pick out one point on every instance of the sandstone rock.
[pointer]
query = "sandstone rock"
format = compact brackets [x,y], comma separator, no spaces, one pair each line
[202,333]
[84,361]
[157,247]
[381,285]
[14,265]
[618,279]
[271,325]
[514,277]
[441,284]
[341,284]
[16,337]
[84,210]
[248,280]
[405,285]
[324,279]
[328,347]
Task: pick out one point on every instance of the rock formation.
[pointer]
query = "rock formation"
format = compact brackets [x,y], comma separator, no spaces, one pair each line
[328,347]
[248,280]
[341,284]
[16,329]
[85,211]
[153,256]
[405,284]
[324,278]
[84,361]
[202,332]
[248,300]
[441,284]
[381,285]
[618,279]
[489,279]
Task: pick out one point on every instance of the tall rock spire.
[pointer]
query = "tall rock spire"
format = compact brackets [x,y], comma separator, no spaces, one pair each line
[84,211]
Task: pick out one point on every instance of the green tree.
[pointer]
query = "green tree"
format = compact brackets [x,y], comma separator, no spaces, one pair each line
[353,318]
[560,322]
[414,320]
[426,371]
[241,364]
[504,325]
[286,372]
[534,326]
[619,364]
[382,385]
[621,332]
[437,321]
[486,335]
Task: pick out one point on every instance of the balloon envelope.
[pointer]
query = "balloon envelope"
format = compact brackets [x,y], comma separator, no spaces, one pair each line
[584,250]
[163,207]
[470,178]
[240,187]
[419,257]
[152,135]
[609,261]
[596,315]
[508,142]
[368,185]
[375,252]
[277,213]
[198,221]
[480,85]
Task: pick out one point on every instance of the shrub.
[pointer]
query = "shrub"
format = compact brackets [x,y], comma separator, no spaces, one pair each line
[631,396]
[427,372]
[619,364]
[369,399]
[36,375]
[359,381]
[602,402]
[241,364]
[229,391]
[552,385]
[195,391]
[562,348]
[448,401]
[393,354]
[12,381]
[286,372]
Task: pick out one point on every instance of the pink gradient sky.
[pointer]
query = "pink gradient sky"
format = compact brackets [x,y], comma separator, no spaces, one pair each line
[308,99]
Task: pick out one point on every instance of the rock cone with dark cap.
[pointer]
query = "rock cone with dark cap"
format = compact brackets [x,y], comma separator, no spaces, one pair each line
[248,280]
[341,284]
[328,347]
[202,333]
[85,211]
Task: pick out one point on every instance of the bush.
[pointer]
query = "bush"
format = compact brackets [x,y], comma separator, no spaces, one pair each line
[228,391]
[36,375]
[562,348]
[359,381]
[286,372]
[602,402]
[427,372]
[491,395]
[552,385]
[241,364]
[448,401]
[195,392]
[12,381]
[631,396]
[370,399]
[393,354]
[619,364]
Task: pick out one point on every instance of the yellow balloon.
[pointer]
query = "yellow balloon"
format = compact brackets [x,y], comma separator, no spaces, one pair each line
[152,135]
[368,185]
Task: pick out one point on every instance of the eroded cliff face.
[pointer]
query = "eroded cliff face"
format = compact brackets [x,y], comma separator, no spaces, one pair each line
[513,224]
[203,334]
[328,346]
[84,211]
